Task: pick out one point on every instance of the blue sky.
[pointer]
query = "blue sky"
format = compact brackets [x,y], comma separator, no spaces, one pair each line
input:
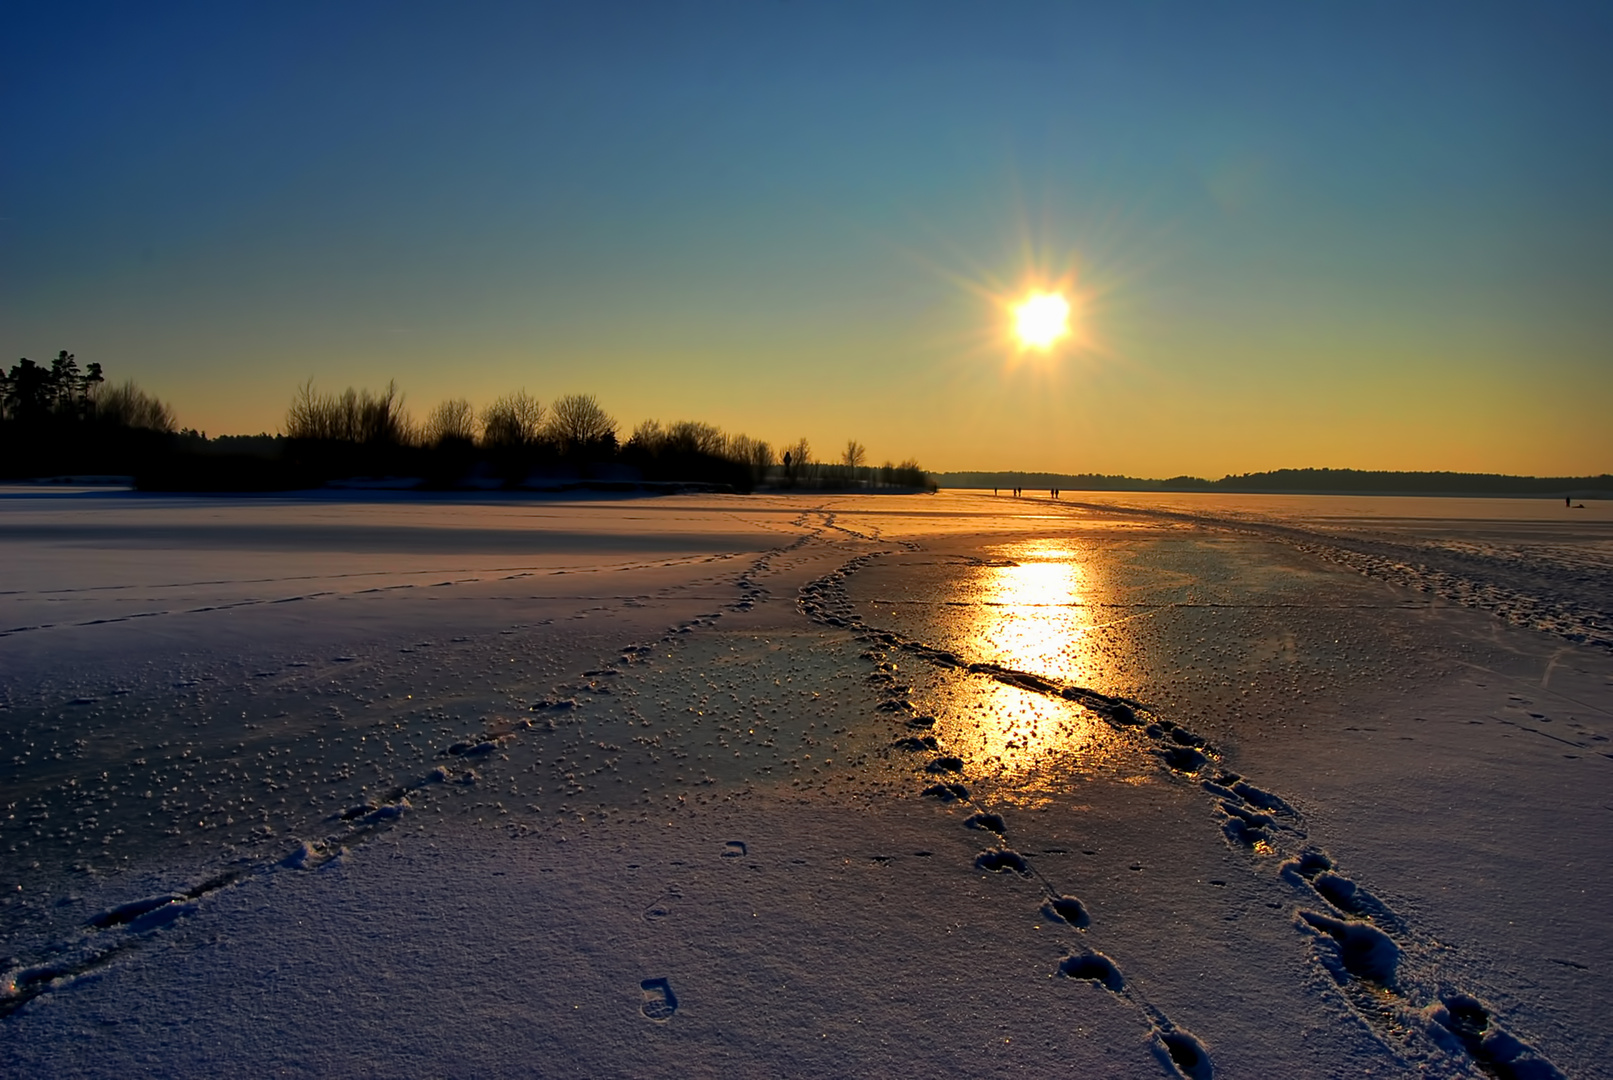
[1370,236]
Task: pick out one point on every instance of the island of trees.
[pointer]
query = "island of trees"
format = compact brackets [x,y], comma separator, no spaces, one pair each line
[62,421]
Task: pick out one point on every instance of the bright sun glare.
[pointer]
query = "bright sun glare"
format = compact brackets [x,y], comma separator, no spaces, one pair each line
[1042,319]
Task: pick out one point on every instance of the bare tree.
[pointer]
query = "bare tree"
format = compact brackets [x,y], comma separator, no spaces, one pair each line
[696,437]
[453,420]
[355,416]
[648,436]
[513,420]
[752,453]
[577,422]
[855,455]
[129,406]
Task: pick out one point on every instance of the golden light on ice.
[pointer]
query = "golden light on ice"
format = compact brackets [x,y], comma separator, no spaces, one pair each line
[1031,611]
[1041,319]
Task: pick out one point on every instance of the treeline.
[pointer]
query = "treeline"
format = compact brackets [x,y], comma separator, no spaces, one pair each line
[1303,481]
[519,441]
[61,420]
[67,419]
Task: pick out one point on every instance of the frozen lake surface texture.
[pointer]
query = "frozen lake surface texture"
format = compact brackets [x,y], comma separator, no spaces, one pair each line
[1118,785]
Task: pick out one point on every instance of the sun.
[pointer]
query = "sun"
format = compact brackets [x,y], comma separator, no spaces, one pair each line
[1042,319]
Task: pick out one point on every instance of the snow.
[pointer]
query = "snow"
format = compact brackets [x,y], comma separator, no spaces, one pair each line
[805,785]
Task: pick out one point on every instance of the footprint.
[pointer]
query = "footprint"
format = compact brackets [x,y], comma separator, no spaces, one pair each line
[945,764]
[1093,966]
[124,914]
[659,1000]
[1347,896]
[1184,1055]
[1311,861]
[1068,909]
[1362,949]
[947,792]
[1182,758]
[1002,861]
[1465,1020]
[1317,869]
[926,742]
[989,822]
[733,849]
[1120,713]
[1263,799]
[1245,827]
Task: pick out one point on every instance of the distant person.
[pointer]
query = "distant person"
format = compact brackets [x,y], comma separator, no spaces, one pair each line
[1568,500]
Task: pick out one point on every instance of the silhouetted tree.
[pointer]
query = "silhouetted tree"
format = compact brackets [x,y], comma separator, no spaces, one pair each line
[64,419]
[752,453]
[513,421]
[31,393]
[129,406]
[696,437]
[353,416]
[577,424]
[451,421]
[855,455]
[28,392]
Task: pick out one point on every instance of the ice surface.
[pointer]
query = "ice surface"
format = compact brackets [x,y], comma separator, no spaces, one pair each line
[649,799]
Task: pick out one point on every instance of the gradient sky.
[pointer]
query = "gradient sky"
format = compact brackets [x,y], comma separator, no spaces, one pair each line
[1350,235]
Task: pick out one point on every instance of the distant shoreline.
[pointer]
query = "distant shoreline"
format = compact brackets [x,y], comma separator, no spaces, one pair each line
[1302,482]
[414,488]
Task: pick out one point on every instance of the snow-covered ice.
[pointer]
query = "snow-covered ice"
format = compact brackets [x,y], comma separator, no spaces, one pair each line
[805,785]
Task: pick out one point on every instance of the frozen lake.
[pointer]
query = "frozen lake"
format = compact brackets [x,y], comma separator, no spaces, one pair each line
[1119,784]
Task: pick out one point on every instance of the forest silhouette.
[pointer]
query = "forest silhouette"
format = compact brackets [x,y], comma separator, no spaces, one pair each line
[62,421]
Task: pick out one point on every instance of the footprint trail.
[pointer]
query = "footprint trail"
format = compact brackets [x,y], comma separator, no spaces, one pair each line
[1374,962]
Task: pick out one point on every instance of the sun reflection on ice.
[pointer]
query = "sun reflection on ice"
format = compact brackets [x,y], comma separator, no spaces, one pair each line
[1030,611]
[1034,612]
